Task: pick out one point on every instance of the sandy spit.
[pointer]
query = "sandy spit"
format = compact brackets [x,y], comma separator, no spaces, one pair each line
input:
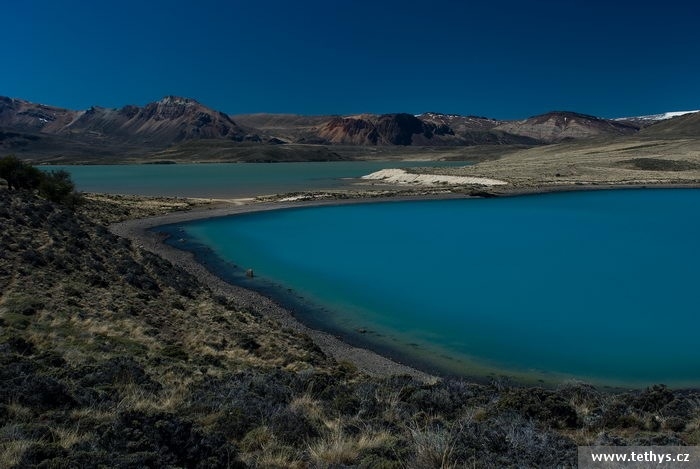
[365,360]
[400,176]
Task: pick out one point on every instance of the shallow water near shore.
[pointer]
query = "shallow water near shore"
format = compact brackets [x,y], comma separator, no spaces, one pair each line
[599,286]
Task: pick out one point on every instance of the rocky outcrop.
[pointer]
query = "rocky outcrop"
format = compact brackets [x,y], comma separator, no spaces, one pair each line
[457,123]
[385,129]
[348,130]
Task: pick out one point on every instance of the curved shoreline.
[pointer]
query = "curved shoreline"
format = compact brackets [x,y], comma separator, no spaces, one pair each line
[370,362]
[366,360]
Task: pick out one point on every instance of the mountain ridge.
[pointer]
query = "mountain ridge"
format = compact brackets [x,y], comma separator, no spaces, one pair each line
[37,129]
[556,126]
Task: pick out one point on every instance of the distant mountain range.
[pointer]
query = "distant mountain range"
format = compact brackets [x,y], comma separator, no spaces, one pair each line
[37,130]
[435,129]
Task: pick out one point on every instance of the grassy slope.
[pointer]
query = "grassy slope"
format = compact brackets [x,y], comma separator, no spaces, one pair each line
[632,160]
[112,357]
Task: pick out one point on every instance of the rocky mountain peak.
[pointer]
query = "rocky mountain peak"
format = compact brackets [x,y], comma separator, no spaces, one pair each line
[563,118]
[173,107]
[369,129]
[172,100]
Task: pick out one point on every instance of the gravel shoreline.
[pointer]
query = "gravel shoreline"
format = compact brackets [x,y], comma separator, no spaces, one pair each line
[365,360]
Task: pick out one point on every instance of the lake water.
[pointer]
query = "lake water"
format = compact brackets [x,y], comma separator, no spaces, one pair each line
[601,286]
[226,180]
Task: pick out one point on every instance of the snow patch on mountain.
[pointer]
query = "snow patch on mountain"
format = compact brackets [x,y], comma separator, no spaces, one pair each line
[657,117]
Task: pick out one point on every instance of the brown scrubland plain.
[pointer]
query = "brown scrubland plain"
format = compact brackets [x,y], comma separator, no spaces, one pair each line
[628,161]
[113,357]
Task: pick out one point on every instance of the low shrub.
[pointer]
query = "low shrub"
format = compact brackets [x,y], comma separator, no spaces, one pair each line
[55,186]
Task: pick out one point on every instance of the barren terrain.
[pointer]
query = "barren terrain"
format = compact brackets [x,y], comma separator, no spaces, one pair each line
[630,161]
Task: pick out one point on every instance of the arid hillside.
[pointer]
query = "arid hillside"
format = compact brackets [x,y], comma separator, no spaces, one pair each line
[113,357]
[631,160]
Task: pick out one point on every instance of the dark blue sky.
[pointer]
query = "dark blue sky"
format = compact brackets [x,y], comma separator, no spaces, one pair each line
[499,59]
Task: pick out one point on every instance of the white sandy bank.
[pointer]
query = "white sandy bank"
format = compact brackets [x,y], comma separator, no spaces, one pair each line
[400,176]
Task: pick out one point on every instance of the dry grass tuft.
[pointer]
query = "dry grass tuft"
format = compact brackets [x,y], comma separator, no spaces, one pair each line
[338,448]
[92,416]
[280,457]
[134,397]
[11,452]
[693,429]
[68,437]
[18,412]
[263,450]
[434,446]
[308,406]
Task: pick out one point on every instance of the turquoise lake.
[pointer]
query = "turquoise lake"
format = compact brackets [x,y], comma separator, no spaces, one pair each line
[601,286]
[226,180]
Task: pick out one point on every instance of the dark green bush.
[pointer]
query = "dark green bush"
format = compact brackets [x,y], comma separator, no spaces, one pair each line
[58,187]
[55,186]
[19,175]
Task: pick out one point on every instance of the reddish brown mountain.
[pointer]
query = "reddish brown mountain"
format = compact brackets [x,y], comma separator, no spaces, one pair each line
[406,129]
[386,129]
